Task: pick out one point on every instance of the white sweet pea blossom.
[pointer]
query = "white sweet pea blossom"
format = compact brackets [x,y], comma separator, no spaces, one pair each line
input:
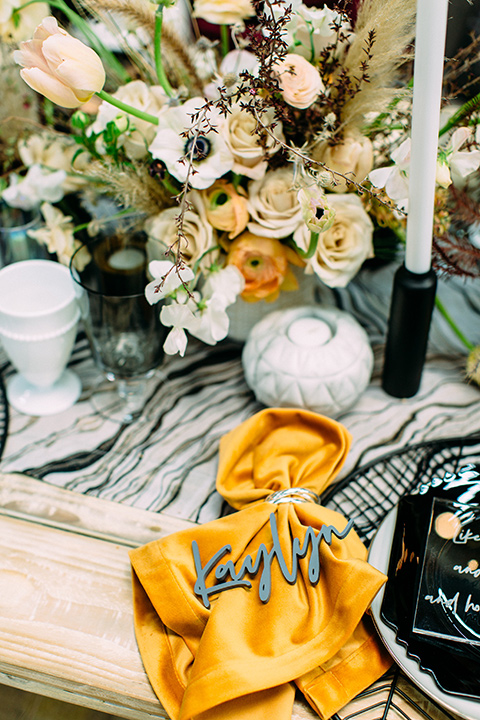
[167,279]
[221,289]
[210,324]
[178,316]
[453,165]
[211,157]
[37,186]
[461,162]
[395,177]
[204,317]
[225,285]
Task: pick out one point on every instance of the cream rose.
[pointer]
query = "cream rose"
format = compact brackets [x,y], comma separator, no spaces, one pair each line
[223,12]
[59,66]
[243,142]
[162,234]
[352,157]
[299,81]
[273,204]
[342,249]
[139,133]
[56,155]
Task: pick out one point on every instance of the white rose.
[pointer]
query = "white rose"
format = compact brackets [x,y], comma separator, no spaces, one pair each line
[342,249]
[299,81]
[162,234]
[352,157]
[12,31]
[273,204]
[140,133]
[243,142]
[223,12]
[311,30]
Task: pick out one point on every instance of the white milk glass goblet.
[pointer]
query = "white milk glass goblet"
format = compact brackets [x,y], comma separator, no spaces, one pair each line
[38,325]
[123,329]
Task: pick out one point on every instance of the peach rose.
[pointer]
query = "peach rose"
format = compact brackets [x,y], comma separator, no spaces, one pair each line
[263,263]
[299,81]
[225,208]
[352,157]
[223,12]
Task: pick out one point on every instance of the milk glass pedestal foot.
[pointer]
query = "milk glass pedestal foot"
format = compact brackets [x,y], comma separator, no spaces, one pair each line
[124,331]
[32,400]
[38,325]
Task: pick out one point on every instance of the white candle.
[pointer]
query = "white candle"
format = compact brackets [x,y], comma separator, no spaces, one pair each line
[309,332]
[127,259]
[427,92]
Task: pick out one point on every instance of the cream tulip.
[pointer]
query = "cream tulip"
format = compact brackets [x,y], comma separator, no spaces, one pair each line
[59,66]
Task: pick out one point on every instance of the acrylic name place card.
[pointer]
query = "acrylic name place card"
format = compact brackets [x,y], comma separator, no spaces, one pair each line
[448,602]
[228,577]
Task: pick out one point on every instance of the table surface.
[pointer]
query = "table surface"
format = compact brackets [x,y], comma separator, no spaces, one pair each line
[165,461]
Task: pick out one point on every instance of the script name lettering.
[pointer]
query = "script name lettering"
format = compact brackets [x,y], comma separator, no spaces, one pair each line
[227,577]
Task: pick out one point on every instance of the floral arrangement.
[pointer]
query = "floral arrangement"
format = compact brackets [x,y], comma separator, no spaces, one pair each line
[271,142]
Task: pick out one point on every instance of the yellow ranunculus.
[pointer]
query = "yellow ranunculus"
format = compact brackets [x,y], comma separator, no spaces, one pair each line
[59,66]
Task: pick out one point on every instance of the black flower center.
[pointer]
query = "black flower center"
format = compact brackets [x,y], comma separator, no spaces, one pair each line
[201,147]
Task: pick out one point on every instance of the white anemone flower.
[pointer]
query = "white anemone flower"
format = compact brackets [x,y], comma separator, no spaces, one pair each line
[168,278]
[211,157]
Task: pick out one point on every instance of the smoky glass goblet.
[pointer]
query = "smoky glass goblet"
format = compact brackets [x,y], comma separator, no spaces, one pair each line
[123,329]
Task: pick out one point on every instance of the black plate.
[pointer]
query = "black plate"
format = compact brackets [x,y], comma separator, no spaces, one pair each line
[454,666]
[3,416]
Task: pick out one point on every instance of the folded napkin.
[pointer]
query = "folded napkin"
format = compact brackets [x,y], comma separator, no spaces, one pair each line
[239,650]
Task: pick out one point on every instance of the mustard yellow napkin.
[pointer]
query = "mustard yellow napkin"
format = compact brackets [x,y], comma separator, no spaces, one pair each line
[239,652]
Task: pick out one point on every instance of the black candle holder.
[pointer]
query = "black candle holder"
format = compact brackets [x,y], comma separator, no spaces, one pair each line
[413,299]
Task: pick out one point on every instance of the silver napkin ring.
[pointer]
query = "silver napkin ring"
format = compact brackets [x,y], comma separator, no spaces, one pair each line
[293,495]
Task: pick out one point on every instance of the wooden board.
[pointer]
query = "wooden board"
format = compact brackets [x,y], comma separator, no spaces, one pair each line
[66,624]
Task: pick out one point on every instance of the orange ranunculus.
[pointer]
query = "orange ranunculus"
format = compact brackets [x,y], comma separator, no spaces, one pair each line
[263,263]
[225,208]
